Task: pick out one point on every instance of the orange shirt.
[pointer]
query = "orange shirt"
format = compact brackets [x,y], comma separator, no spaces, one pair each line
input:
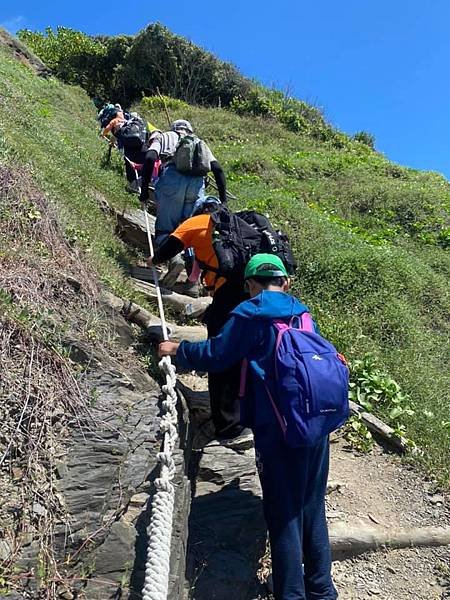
[197,232]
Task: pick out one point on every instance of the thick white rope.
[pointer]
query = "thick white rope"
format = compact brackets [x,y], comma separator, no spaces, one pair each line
[157,567]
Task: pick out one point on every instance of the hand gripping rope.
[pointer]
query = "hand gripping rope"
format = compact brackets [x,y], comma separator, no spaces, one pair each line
[157,567]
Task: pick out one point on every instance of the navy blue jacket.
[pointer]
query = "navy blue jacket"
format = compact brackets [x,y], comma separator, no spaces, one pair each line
[248,333]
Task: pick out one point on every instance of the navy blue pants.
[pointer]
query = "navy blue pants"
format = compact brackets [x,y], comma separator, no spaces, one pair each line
[294,484]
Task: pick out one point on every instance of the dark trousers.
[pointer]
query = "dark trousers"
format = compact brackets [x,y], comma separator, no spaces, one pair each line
[224,386]
[293,482]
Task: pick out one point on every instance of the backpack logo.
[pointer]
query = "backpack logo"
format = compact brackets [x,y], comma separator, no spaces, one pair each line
[316,357]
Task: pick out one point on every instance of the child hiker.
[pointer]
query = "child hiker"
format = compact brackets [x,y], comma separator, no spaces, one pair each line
[293,477]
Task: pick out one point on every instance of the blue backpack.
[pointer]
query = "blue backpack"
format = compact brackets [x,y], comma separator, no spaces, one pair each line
[310,384]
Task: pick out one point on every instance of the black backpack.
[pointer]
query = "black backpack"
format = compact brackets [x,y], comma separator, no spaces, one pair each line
[238,236]
[133,133]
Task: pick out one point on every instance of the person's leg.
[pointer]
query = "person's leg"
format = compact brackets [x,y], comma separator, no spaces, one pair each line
[129,171]
[283,476]
[224,386]
[175,268]
[169,194]
[316,546]
[225,299]
[135,156]
[223,390]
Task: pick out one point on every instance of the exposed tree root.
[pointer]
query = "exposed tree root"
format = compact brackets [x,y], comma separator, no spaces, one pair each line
[347,541]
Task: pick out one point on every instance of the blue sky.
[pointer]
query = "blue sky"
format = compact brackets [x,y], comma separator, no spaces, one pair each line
[379,66]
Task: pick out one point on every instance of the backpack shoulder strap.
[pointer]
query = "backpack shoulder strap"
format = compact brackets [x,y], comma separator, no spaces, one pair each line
[306,322]
[281,327]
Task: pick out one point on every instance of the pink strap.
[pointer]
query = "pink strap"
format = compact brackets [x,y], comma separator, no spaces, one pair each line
[281,420]
[195,273]
[306,322]
[281,328]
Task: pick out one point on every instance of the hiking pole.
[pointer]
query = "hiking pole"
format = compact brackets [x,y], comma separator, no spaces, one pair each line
[213,183]
[165,106]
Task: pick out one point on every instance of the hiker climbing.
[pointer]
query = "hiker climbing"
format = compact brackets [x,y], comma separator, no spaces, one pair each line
[295,394]
[186,160]
[223,242]
[130,135]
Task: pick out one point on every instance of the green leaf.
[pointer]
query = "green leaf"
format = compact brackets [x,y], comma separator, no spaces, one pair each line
[395,413]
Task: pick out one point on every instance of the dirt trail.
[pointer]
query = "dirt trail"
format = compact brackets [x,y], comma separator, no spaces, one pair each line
[379,489]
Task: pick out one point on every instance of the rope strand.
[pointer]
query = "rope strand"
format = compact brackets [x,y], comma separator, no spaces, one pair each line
[157,566]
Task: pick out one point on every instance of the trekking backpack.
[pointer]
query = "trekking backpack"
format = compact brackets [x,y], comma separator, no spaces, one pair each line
[133,133]
[239,236]
[309,391]
[192,156]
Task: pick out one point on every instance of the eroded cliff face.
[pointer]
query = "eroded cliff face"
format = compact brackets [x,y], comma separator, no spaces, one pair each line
[23,54]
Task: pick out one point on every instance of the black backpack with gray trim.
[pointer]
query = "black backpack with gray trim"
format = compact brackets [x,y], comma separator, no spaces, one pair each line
[133,133]
[236,237]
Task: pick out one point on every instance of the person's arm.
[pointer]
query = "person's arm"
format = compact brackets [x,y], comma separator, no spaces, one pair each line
[168,249]
[219,176]
[149,162]
[235,341]
[106,130]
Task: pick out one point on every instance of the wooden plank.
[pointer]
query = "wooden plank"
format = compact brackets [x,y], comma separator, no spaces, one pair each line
[377,426]
[347,541]
[183,305]
[150,323]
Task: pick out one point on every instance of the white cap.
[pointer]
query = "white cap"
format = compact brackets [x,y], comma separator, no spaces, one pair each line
[181,124]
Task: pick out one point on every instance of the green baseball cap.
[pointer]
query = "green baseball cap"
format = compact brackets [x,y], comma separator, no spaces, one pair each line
[265,265]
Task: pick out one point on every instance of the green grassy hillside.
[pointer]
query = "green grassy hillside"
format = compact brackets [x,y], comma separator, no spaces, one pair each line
[49,129]
[369,236]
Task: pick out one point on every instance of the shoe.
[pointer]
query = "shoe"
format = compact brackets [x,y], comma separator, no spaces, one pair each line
[239,436]
[176,266]
[187,288]
[133,187]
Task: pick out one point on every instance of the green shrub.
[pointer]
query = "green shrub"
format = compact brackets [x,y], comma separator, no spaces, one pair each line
[78,58]
[160,103]
[297,116]
[365,138]
[158,59]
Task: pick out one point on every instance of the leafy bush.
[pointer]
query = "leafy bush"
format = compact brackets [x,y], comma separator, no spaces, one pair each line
[162,102]
[297,116]
[377,392]
[158,59]
[365,138]
[78,58]
[357,434]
